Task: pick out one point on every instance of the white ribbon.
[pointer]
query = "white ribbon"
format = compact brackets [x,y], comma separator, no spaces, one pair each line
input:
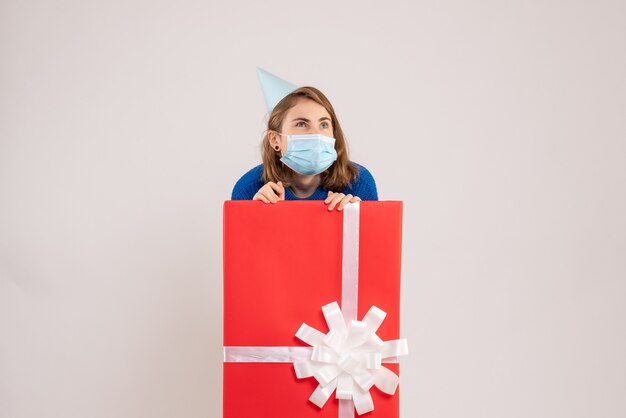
[350,261]
[348,359]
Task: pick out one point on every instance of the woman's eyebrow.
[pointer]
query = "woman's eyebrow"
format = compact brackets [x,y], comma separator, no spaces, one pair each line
[306,120]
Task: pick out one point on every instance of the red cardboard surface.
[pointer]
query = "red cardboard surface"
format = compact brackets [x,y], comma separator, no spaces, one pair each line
[282,263]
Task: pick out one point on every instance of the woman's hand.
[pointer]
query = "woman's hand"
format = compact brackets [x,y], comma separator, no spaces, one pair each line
[340,200]
[271,192]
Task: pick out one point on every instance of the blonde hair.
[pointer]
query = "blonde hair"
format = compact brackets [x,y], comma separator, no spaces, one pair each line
[339,175]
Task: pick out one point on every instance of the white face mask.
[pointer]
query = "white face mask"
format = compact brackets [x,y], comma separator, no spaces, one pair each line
[309,154]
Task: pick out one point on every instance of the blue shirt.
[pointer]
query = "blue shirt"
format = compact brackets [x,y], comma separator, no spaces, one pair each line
[363,186]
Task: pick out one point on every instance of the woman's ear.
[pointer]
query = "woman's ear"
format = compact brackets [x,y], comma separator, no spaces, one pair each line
[273,139]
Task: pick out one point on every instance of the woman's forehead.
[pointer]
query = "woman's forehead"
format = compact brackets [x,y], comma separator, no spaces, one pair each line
[308,109]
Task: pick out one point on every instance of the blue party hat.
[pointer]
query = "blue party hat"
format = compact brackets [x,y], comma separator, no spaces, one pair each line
[274,88]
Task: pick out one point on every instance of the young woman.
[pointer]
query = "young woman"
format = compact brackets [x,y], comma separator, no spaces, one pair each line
[305,157]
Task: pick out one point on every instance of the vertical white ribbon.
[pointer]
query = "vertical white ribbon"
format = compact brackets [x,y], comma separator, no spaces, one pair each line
[350,280]
[350,262]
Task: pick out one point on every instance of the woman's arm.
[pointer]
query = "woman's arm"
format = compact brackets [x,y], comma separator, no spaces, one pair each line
[248,185]
[365,185]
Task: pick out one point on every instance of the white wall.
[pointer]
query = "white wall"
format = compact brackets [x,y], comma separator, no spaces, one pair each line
[124,125]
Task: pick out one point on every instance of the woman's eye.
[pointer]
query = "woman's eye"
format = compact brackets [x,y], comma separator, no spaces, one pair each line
[300,124]
[324,125]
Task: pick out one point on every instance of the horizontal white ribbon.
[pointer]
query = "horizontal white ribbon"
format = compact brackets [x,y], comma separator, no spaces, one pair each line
[249,354]
[273,354]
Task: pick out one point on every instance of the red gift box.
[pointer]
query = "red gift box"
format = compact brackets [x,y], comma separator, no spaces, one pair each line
[282,263]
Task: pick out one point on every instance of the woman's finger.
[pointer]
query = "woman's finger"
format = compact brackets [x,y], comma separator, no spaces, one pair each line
[278,189]
[330,194]
[269,194]
[345,201]
[355,199]
[266,193]
[259,196]
[336,198]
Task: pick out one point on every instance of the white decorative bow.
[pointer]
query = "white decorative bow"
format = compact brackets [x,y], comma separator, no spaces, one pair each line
[349,358]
